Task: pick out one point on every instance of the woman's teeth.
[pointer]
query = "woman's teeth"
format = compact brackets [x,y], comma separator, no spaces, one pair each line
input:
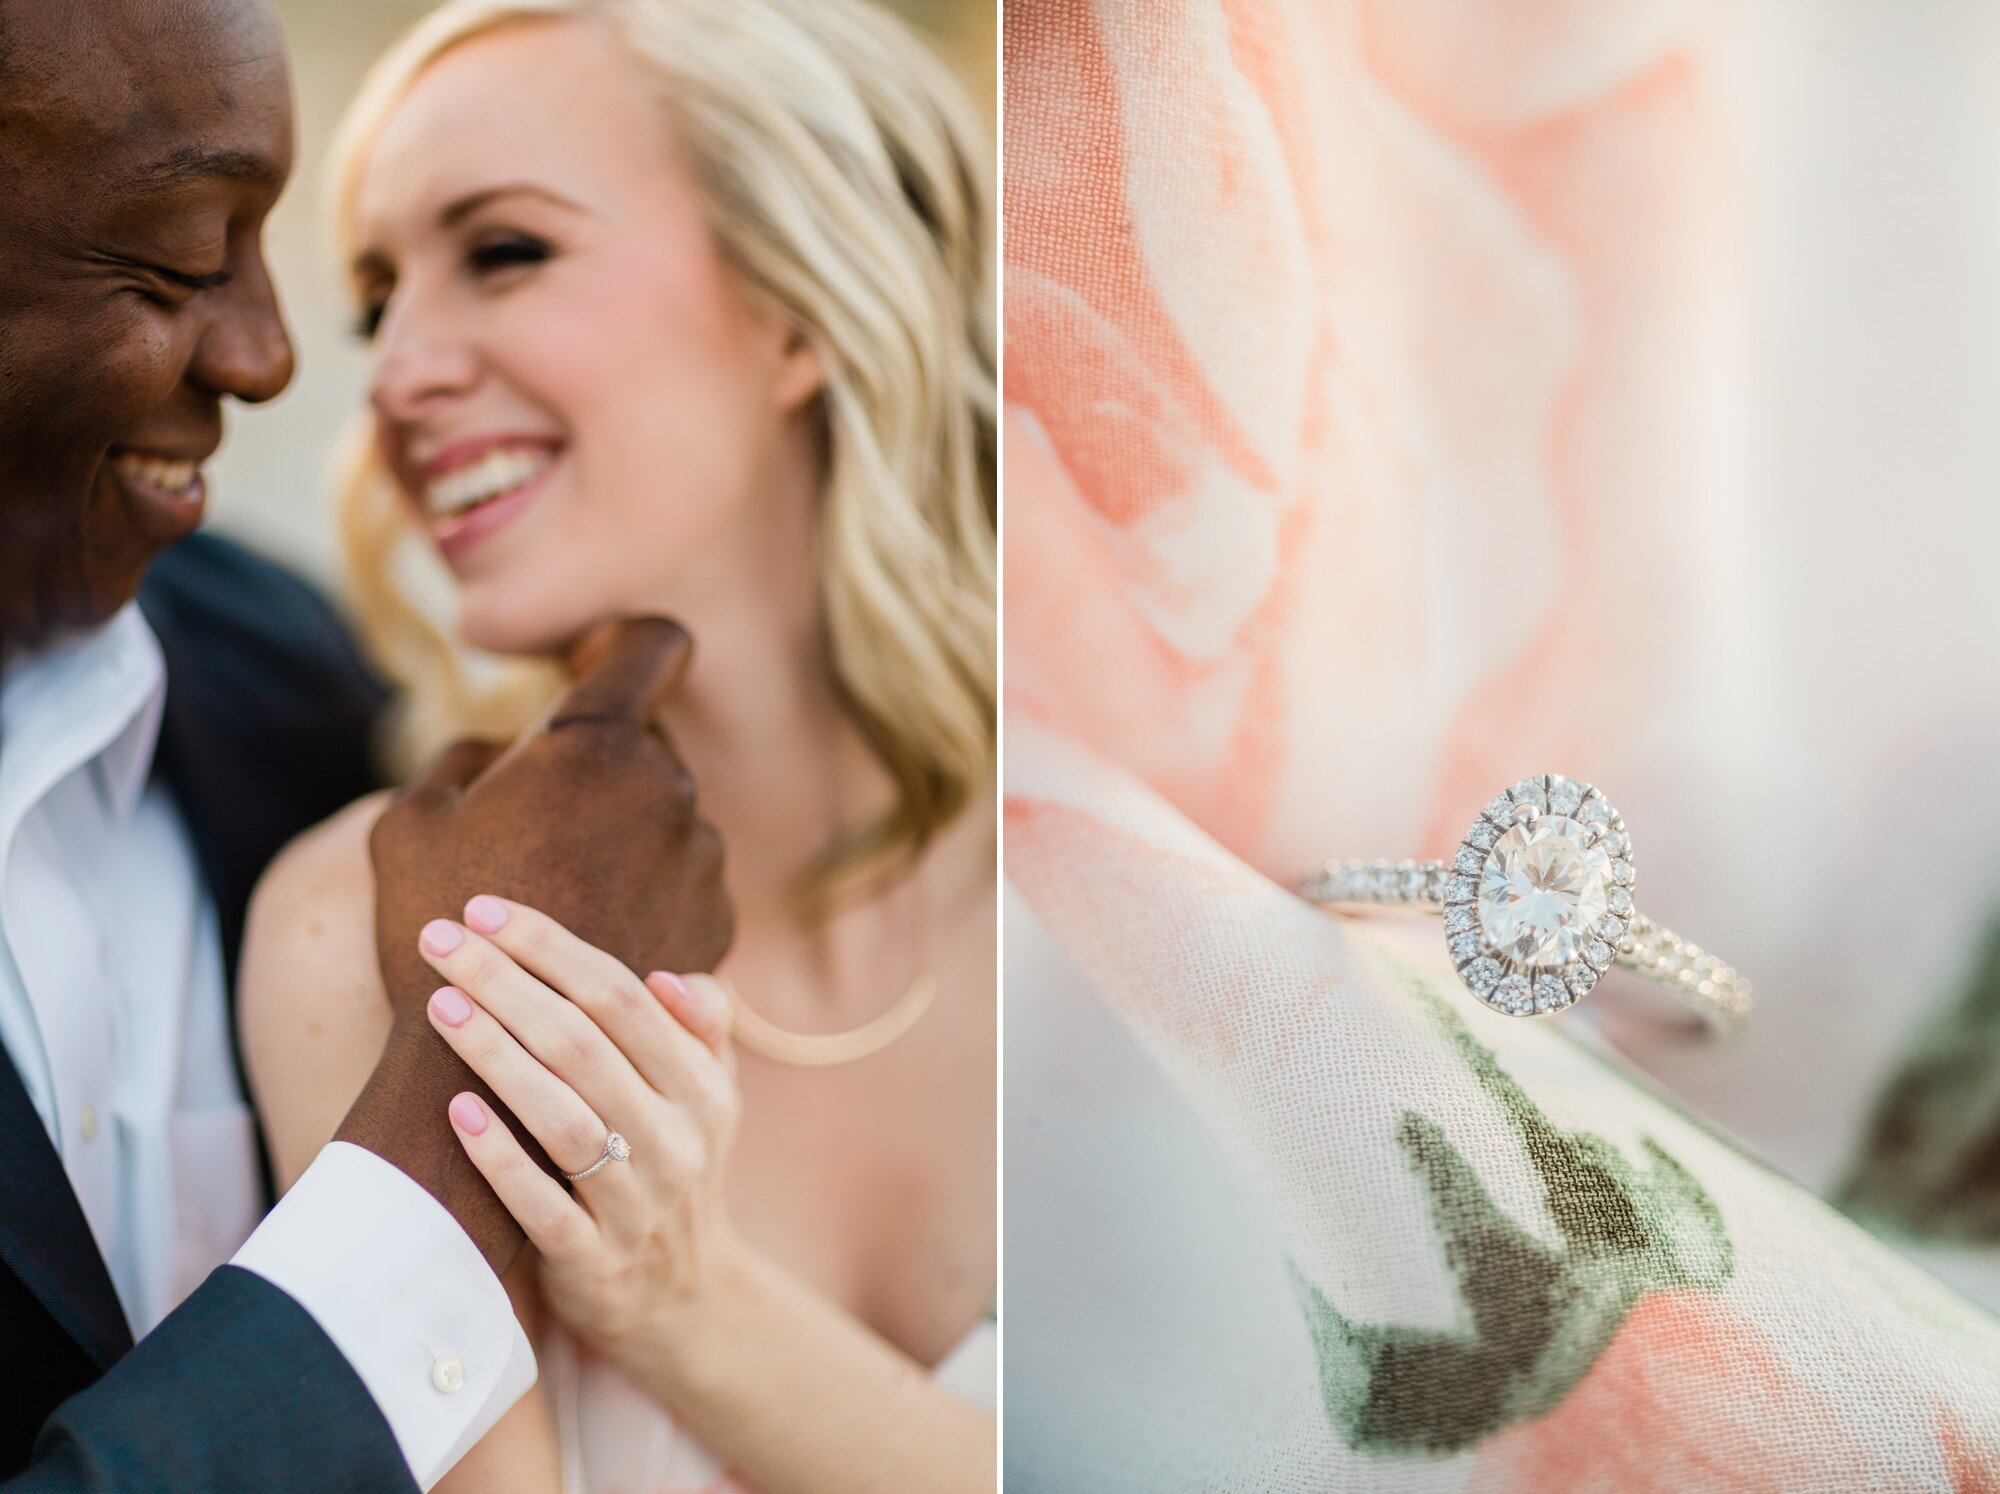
[497,473]
[165,473]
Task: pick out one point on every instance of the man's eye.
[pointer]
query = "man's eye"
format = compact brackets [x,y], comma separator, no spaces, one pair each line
[193,282]
[172,289]
[368,321]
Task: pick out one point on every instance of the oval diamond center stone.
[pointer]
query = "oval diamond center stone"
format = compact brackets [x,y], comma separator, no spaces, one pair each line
[1543,888]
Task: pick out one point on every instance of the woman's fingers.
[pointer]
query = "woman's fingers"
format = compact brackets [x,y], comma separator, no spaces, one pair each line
[554,1222]
[700,1003]
[565,1080]
[560,1033]
[647,1031]
[569,1130]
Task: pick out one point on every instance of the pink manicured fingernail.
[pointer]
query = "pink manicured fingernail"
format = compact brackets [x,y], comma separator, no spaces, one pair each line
[681,988]
[487,914]
[449,1006]
[468,1114]
[441,936]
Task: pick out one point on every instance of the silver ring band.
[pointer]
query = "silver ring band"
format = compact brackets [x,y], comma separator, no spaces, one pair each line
[1537,905]
[616,1149]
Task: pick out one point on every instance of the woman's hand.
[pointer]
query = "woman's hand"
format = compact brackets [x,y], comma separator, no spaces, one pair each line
[640,1262]
[577,1046]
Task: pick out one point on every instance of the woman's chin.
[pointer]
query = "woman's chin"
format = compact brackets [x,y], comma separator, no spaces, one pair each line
[516,631]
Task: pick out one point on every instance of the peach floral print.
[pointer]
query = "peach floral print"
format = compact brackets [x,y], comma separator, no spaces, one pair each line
[1371,380]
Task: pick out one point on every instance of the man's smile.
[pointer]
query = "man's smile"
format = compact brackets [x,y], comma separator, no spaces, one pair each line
[168,489]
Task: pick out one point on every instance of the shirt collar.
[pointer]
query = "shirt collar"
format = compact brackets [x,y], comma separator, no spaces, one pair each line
[92,698]
[124,766]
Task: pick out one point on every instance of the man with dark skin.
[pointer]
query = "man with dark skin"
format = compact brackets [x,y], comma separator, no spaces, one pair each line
[142,144]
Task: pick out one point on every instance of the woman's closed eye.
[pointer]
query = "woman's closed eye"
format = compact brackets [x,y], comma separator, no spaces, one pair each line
[499,253]
[495,259]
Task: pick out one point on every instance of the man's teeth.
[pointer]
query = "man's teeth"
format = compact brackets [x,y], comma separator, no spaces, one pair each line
[500,471]
[160,472]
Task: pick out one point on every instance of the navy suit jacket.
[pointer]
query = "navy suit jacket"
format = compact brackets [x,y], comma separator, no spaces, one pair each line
[269,718]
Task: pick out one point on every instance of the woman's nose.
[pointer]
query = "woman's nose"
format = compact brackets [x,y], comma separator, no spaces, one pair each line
[418,360]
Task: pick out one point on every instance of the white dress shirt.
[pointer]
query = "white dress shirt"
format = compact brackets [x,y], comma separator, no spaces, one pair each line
[113,1009]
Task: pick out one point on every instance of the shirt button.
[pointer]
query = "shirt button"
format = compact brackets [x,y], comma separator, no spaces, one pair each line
[448,1374]
[88,1121]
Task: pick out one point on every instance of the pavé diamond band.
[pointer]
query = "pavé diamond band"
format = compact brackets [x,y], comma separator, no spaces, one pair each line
[1538,905]
[616,1149]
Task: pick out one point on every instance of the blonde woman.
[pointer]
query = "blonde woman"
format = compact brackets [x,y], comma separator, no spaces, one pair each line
[681,307]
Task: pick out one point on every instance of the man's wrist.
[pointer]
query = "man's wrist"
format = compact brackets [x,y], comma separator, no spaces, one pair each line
[399,1287]
[400,1117]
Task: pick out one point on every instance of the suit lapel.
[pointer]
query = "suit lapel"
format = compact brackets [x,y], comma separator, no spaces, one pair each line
[44,1238]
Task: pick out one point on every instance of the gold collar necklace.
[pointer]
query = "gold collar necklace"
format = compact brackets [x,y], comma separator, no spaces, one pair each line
[825,1050]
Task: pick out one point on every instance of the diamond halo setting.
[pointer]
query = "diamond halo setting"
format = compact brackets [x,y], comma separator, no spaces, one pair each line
[1539,872]
[1537,905]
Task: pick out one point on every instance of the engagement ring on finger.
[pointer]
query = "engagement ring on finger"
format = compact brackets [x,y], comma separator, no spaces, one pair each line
[616,1149]
[1538,905]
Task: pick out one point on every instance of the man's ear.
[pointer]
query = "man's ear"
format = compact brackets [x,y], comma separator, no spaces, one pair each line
[799,374]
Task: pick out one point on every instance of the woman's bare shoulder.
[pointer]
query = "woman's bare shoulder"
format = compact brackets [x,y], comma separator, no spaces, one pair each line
[319,889]
[310,1001]
[332,857]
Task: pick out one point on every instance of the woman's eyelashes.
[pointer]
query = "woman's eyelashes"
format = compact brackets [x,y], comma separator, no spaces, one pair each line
[508,251]
[490,259]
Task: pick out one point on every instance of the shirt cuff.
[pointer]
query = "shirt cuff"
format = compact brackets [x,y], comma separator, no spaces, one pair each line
[406,1297]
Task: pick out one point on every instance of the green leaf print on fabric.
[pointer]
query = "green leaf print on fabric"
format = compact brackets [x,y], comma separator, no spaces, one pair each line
[1929,1167]
[1539,1314]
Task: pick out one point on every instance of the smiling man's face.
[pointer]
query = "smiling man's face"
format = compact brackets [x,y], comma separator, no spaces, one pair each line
[142,144]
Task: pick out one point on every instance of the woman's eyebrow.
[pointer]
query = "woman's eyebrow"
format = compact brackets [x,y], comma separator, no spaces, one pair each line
[460,208]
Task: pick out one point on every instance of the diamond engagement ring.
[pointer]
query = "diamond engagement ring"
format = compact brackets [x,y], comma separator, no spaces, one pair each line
[616,1149]
[1538,905]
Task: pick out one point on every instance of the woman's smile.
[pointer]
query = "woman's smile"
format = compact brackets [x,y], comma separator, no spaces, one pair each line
[473,488]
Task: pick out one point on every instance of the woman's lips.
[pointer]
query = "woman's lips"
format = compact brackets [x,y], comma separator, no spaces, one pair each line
[457,534]
[477,471]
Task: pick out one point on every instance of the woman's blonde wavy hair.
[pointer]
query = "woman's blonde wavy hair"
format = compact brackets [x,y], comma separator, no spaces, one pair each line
[845,176]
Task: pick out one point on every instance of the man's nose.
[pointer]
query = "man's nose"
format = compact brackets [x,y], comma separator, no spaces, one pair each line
[246,350]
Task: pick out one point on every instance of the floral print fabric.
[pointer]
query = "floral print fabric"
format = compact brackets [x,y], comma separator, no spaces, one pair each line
[1376,391]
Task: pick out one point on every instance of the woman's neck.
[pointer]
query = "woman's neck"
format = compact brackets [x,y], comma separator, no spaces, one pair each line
[779,767]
